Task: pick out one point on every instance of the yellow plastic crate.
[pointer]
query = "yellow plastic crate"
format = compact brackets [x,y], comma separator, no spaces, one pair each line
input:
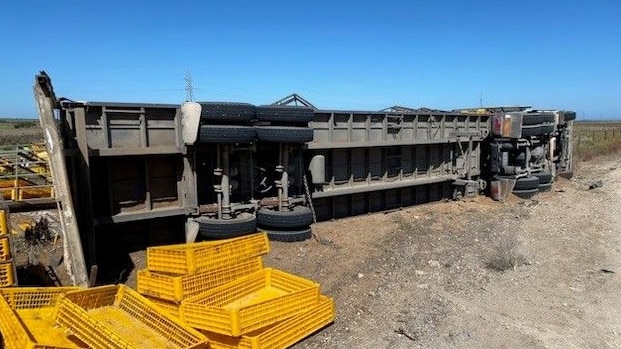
[169,307]
[5,249]
[35,193]
[4,226]
[250,303]
[176,288]
[282,334]
[6,274]
[27,319]
[183,259]
[115,316]
[8,193]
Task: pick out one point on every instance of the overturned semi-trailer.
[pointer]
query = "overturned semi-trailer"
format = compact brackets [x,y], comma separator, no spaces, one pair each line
[143,174]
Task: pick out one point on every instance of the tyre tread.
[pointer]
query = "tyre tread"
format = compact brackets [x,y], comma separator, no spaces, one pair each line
[299,217]
[212,228]
[226,134]
[279,113]
[284,134]
[289,235]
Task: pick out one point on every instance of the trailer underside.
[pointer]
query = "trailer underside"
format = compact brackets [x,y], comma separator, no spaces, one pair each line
[137,176]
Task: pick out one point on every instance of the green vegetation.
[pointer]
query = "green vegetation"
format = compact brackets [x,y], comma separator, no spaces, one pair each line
[25,124]
[16,120]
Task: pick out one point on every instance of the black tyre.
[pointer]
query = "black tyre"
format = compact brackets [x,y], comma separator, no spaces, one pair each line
[526,194]
[537,130]
[569,115]
[226,134]
[279,113]
[537,118]
[223,112]
[545,187]
[288,235]
[526,183]
[211,228]
[547,129]
[284,134]
[531,130]
[299,217]
[544,177]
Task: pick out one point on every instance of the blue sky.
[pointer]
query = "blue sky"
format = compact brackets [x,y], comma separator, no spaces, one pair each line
[441,54]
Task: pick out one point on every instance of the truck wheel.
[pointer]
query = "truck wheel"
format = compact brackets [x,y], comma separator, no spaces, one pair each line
[212,228]
[298,217]
[526,194]
[284,134]
[545,187]
[537,130]
[289,236]
[223,112]
[547,129]
[544,177]
[534,119]
[531,130]
[526,183]
[279,113]
[569,116]
[226,134]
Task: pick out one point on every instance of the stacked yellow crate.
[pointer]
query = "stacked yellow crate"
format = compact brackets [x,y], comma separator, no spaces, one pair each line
[7,277]
[222,289]
[177,272]
[27,319]
[117,317]
[112,317]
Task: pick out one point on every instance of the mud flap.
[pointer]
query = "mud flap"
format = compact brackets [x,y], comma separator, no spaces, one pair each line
[191,230]
[501,188]
[190,119]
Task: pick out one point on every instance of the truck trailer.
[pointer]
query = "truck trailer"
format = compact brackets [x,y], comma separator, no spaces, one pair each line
[130,175]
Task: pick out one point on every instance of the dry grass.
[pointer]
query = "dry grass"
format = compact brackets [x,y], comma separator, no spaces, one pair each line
[593,139]
[403,224]
[506,255]
[589,150]
[16,131]
[409,225]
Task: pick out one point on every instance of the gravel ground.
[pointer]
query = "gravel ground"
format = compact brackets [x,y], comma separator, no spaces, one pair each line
[420,277]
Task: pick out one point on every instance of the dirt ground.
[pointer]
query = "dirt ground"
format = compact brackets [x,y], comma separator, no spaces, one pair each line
[421,277]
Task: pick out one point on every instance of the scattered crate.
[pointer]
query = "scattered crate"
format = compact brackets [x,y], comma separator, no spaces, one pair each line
[27,318]
[4,226]
[115,316]
[183,259]
[7,278]
[5,249]
[250,303]
[282,334]
[176,288]
[35,192]
[169,307]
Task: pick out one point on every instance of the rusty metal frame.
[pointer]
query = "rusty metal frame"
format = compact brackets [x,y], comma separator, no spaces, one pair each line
[294,99]
[73,254]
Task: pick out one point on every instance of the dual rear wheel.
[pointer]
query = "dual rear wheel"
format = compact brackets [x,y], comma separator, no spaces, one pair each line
[527,187]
